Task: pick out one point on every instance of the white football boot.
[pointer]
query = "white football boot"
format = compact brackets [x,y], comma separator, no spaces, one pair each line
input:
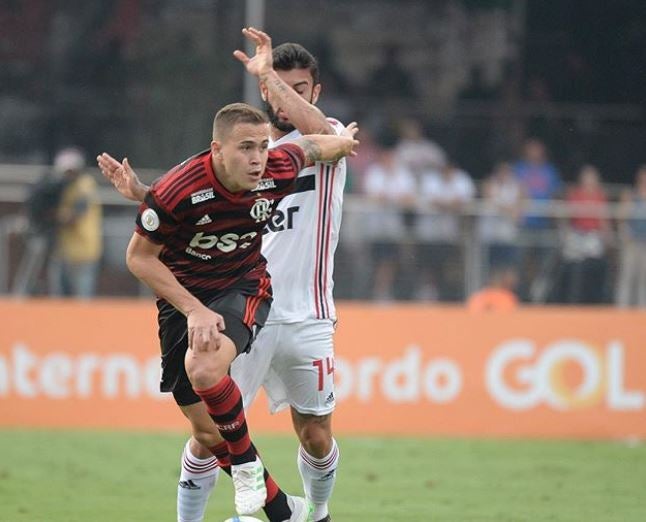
[249,486]
[301,509]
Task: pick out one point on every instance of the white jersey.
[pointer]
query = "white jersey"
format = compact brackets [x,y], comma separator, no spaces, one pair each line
[300,240]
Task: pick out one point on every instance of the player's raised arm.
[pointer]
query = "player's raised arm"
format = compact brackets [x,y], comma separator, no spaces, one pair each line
[121,175]
[317,147]
[305,116]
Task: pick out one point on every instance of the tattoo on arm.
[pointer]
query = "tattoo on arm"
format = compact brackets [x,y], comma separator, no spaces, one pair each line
[279,85]
[311,150]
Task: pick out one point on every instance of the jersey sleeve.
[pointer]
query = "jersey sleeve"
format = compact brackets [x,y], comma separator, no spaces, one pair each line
[287,160]
[336,125]
[154,222]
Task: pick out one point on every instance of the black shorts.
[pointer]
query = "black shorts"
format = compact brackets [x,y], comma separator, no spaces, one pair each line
[243,316]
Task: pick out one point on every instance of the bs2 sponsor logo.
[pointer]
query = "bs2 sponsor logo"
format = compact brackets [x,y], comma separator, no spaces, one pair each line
[225,243]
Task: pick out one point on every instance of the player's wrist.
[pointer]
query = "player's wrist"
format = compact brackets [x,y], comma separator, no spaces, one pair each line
[267,74]
[192,309]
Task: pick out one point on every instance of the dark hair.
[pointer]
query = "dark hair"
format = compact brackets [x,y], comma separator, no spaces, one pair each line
[235,113]
[288,56]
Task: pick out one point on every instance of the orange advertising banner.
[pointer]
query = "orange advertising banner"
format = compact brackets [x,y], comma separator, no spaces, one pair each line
[414,370]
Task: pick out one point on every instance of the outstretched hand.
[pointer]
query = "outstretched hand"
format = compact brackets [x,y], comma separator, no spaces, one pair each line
[350,131]
[122,176]
[262,62]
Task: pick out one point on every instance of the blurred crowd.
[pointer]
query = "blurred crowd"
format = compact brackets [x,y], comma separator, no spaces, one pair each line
[537,237]
[433,221]
[529,236]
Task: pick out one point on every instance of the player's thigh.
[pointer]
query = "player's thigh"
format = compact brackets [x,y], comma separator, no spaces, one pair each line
[205,368]
[249,370]
[304,363]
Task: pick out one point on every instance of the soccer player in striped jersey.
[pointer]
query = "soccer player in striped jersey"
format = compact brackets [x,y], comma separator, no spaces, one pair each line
[197,245]
[294,361]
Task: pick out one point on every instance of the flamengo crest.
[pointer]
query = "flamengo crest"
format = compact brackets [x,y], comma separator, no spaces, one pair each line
[261,209]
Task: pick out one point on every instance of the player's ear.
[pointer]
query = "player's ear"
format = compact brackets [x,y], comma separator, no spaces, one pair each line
[316,91]
[216,149]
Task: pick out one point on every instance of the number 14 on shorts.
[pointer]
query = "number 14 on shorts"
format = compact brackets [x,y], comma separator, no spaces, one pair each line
[325,367]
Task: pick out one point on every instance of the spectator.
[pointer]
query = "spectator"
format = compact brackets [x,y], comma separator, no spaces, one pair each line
[586,235]
[391,186]
[498,225]
[416,151]
[73,270]
[499,295]
[443,197]
[541,183]
[631,289]
[41,209]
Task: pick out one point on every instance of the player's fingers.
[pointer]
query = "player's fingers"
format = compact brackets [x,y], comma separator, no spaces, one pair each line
[221,326]
[252,34]
[109,165]
[106,168]
[126,165]
[262,36]
[190,338]
[108,160]
[217,339]
[206,337]
[241,56]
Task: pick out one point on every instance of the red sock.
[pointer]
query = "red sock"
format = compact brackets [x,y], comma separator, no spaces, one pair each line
[224,404]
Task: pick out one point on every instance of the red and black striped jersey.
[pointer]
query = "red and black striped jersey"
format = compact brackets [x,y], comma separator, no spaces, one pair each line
[211,237]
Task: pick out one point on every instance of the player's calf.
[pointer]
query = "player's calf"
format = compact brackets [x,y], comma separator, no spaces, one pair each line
[318,458]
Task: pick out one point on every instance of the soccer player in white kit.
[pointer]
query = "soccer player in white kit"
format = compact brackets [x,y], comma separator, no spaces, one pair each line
[293,359]
[293,355]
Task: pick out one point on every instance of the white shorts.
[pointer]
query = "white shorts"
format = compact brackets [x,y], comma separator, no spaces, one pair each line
[294,363]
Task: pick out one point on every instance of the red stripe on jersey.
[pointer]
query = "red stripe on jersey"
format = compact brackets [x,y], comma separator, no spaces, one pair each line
[318,243]
[253,302]
[176,196]
[168,184]
[326,257]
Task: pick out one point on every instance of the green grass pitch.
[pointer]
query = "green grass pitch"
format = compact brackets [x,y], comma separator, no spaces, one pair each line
[87,476]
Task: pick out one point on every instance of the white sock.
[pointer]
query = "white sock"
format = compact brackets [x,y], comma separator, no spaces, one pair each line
[318,477]
[196,481]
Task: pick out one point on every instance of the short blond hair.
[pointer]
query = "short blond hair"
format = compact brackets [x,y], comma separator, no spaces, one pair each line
[230,115]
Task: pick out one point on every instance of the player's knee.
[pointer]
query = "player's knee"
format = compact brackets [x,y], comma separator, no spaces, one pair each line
[204,371]
[316,438]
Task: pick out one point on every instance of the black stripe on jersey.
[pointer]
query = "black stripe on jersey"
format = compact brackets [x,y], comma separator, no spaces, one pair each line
[305,183]
[321,260]
[162,213]
[166,221]
[201,153]
[294,158]
[189,177]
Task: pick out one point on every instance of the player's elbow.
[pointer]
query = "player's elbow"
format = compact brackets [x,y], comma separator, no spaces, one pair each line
[324,128]
[134,262]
